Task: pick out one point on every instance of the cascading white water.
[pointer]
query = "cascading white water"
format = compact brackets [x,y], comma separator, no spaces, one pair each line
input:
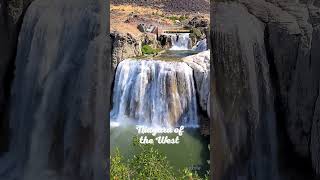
[180,41]
[201,46]
[155,93]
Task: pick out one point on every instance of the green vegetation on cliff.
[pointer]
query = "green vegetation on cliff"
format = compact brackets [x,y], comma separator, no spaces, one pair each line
[148,50]
[179,18]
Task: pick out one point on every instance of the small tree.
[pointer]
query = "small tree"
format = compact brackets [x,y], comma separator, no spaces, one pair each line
[149,163]
[119,169]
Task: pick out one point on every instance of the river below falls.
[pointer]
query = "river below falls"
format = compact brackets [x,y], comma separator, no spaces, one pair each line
[192,151]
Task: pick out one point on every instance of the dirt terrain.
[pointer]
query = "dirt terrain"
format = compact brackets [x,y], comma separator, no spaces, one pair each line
[127,15]
[126,18]
[190,6]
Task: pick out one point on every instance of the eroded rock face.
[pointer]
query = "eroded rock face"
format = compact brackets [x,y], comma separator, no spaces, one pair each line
[123,47]
[242,100]
[198,21]
[200,64]
[277,40]
[60,95]
[165,41]
[149,39]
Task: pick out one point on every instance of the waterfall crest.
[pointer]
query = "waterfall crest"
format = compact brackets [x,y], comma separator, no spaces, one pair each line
[180,41]
[155,93]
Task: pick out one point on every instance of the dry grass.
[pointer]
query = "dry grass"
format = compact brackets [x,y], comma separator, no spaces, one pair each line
[147,15]
[120,13]
[136,9]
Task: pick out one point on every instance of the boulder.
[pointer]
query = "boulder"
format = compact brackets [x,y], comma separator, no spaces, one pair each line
[198,21]
[141,28]
[149,39]
[165,41]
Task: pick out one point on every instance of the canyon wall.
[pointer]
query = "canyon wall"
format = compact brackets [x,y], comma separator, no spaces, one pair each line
[265,88]
[123,46]
[60,93]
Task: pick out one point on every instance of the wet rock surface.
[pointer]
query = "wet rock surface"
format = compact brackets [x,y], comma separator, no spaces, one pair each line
[123,46]
[59,94]
[200,64]
[266,59]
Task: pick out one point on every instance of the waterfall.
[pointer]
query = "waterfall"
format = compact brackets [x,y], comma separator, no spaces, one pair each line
[155,93]
[201,46]
[180,41]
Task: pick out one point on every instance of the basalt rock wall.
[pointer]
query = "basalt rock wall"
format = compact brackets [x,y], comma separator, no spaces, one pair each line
[60,93]
[266,56]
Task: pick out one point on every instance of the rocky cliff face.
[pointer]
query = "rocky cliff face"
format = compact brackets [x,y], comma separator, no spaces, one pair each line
[265,89]
[60,94]
[123,46]
[200,64]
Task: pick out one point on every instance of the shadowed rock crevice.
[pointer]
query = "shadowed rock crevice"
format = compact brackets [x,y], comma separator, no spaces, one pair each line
[11,17]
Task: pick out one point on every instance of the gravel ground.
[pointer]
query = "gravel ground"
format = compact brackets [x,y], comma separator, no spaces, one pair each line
[175,6]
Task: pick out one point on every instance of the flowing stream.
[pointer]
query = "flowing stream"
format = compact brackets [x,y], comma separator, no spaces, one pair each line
[180,41]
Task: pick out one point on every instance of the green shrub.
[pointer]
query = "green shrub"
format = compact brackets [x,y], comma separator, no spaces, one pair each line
[179,18]
[146,49]
[119,169]
[196,33]
[149,163]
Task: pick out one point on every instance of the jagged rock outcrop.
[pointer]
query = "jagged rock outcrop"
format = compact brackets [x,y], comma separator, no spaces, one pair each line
[165,41]
[199,26]
[272,45]
[200,64]
[59,98]
[199,21]
[149,39]
[123,47]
